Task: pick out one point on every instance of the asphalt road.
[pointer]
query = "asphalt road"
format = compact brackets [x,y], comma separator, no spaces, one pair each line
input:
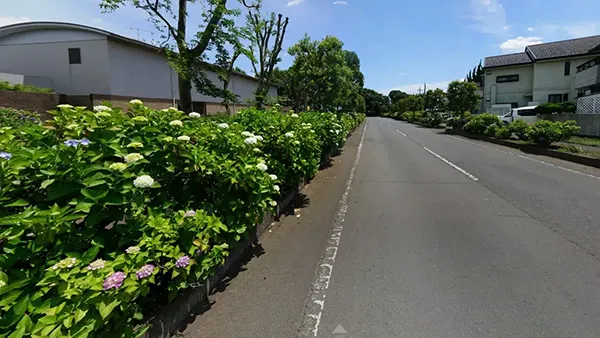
[432,236]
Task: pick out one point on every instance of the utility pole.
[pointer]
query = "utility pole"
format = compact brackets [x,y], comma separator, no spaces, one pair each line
[424,95]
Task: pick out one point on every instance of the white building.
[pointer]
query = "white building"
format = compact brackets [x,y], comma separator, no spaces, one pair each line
[78,60]
[548,72]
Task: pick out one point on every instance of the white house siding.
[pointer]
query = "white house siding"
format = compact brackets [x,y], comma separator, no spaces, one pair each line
[550,79]
[508,92]
[42,53]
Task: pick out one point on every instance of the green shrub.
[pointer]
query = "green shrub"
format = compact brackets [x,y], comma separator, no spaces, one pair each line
[4,85]
[520,128]
[10,117]
[550,108]
[491,130]
[433,120]
[568,107]
[106,216]
[406,116]
[479,123]
[503,133]
[544,132]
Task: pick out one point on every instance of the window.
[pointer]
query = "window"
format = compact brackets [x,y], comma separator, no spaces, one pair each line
[526,112]
[565,97]
[568,68]
[74,56]
[507,78]
[555,98]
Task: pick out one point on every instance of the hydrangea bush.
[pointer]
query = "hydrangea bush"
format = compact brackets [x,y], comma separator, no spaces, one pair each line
[108,214]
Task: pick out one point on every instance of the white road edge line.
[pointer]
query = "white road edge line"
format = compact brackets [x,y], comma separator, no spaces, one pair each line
[529,158]
[452,165]
[403,134]
[311,317]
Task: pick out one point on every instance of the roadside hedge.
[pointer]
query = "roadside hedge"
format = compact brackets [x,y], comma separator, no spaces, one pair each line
[107,215]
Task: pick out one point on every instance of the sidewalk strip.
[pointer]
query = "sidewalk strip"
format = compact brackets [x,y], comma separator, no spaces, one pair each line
[313,311]
[452,165]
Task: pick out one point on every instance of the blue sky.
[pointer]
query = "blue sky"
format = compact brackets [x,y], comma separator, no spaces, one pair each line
[401,44]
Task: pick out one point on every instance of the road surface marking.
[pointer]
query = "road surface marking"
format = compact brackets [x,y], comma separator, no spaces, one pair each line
[313,311]
[403,134]
[452,165]
[529,158]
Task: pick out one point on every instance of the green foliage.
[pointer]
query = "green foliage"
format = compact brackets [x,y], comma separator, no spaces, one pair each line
[376,103]
[491,130]
[480,123]
[4,85]
[545,132]
[407,116]
[435,100]
[397,95]
[551,108]
[10,117]
[433,119]
[409,103]
[502,133]
[568,107]
[106,216]
[462,96]
[519,128]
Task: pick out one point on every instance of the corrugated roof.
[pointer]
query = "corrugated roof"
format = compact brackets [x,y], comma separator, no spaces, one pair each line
[565,48]
[506,60]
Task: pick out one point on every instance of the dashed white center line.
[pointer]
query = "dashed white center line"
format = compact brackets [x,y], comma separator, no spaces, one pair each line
[401,133]
[452,165]
[528,158]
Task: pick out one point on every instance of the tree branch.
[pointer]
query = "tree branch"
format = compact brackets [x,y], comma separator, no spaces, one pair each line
[154,9]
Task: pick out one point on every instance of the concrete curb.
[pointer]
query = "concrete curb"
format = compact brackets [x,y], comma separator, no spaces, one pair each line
[170,319]
[533,149]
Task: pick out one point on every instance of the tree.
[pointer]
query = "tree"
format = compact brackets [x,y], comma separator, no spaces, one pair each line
[435,99]
[462,96]
[239,70]
[353,61]
[264,57]
[375,103]
[319,76]
[186,55]
[397,95]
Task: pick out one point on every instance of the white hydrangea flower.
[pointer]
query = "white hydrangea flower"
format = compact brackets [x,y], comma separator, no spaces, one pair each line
[118,166]
[251,140]
[132,249]
[102,114]
[176,123]
[136,102]
[276,187]
[140,119]
[133,157]
[262,166]
[223,125]
[183,138]
[289,134]
[273,177]
[64,106]
[247,134]
[172,109]
[273,203]
[258,137]
[194,115]
[96,265]
[143,181]
[135,145]
[101,108]
[294,115]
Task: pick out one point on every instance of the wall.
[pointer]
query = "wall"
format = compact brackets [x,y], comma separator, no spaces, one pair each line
[550,79]
[38,102]
[45,54]
[589,123]
[507,92]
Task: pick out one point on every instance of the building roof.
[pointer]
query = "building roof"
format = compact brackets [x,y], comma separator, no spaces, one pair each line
[507,60]
[565,48]
[49,25]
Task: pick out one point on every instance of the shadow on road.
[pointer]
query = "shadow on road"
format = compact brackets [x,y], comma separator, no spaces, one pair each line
[301,201]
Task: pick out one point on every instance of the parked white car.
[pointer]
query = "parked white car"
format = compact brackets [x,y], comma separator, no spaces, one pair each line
[526,114]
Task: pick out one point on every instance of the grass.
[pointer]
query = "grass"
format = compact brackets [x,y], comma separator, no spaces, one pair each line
[23,88]
[585,141]
[576,150]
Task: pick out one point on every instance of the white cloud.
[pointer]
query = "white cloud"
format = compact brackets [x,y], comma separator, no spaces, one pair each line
[294,2]
[518,44]
[9,20]
[581,29]
[530,29]
[489,16]
[345,3]
[414,88]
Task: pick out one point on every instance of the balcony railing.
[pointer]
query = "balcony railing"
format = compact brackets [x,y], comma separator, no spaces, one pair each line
[587,77]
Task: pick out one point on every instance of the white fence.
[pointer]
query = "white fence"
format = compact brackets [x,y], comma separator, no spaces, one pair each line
[589,104]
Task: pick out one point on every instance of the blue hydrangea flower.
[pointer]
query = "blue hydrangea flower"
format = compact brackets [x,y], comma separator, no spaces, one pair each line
[71,143]
[84,142]
[5,155]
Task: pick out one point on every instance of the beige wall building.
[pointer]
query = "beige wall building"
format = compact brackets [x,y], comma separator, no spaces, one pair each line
[547,72]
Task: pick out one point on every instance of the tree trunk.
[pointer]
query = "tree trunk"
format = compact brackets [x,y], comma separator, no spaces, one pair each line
[185,95]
